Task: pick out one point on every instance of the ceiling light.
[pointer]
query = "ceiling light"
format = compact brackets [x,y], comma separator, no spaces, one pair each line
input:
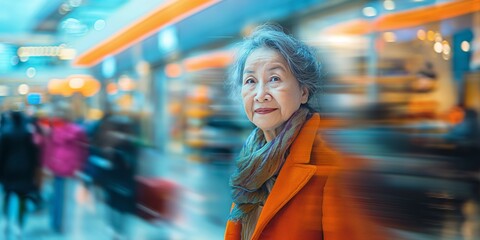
[31,72]
[23,89]
[369,11]
[389,5]
[465,46]
[99,24]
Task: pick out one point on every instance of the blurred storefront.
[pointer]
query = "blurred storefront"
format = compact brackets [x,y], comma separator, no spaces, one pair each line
[414,57]
[403,83]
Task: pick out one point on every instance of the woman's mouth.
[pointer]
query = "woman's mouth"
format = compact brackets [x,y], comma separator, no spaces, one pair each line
[264,110]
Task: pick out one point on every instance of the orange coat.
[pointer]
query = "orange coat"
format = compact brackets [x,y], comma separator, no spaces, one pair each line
[306,200]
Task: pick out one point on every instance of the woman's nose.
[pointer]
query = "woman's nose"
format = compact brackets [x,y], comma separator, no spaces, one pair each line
[262,94]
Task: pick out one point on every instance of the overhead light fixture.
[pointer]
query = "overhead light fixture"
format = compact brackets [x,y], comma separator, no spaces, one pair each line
[166,14]
[389,5]
[31,72]
[406,19]
[465,46]
[23,89]
[61,51]
[369,11]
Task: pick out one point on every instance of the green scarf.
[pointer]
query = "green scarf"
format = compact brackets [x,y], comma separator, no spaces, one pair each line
[258,164]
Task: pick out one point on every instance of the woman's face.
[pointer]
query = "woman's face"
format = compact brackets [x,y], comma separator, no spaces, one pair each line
[270,91]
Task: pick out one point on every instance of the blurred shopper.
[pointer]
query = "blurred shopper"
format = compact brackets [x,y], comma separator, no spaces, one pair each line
[64,153]
[19,163]
[38,133]
[286,184]
[120,187]
[118,178]
[97,165]
[4,120]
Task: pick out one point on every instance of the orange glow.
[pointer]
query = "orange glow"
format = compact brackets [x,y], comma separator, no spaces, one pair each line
[352,27]
[421,34]
[90,88]
[63,87]
[55,86]
[407,19]
[456,116]
[125,83]
[173,70]
[125,101]
[112,88]
[166,14]
[212,60]
[425,15]
[199,95]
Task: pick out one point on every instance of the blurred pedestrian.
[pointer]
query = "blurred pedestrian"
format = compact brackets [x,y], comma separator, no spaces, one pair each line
[96,166]
[120,150]
[64,153]
[19,164]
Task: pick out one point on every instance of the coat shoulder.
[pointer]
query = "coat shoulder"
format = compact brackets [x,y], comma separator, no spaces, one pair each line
[322,154]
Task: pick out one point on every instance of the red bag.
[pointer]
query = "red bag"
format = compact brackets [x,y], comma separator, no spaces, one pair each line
[156,199]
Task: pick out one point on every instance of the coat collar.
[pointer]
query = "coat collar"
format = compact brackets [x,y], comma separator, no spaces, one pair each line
[294,174]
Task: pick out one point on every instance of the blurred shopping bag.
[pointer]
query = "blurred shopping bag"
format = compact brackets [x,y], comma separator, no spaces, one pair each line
[157,199]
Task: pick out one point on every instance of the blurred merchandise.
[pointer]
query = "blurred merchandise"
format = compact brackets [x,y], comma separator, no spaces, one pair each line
[213,122]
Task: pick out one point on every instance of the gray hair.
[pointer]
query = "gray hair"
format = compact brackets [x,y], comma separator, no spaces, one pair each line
[301,59]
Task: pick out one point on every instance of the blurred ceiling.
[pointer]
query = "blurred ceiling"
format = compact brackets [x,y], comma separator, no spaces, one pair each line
[84,25]
[49,22]
[23,16]
[20,19]
[47,27]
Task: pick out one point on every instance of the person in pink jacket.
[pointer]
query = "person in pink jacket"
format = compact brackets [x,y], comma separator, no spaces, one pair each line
[65,148]
[64,153]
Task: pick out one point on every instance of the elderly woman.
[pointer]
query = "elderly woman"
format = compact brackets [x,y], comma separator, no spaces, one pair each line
[284,184]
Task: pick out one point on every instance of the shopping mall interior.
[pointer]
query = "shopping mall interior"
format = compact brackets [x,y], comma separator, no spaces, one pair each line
[399,101]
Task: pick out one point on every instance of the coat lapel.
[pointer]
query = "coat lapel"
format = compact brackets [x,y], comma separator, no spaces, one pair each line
[294,174]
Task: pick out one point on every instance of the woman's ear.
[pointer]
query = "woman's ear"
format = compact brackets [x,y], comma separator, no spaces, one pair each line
[304,95]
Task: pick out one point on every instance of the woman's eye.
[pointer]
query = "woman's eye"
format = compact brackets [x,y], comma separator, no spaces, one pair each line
[248,81]
[274,79]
